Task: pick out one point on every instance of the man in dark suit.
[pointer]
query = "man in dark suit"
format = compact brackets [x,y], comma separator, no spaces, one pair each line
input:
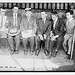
[43,32]
[14,30]
[57,33]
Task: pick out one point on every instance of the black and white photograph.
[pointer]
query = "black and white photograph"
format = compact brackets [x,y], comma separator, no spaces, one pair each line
[37,36]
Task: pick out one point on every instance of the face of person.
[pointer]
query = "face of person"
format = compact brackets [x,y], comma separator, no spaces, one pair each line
[3,12]
[28,13]
[54,17]
[68,15]
[15,11]
[43,15]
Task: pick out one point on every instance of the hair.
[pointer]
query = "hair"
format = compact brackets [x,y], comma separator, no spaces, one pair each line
[55,13]
[69,11]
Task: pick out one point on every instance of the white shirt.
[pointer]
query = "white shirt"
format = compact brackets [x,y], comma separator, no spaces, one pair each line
[44,20]
[68,21]
[54,23]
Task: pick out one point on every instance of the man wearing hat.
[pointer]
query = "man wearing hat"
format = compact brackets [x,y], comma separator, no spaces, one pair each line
[28,29]
[57,33]
[43,32]
[14,31]
[3,24]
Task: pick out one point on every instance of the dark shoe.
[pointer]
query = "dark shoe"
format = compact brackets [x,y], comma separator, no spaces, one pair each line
[68,56]
[49,56]
[31,52]
[16,51]
[55,53]
[25,52]
[66,52]
[65,47]
[12,52]
[37,52]
[46,52]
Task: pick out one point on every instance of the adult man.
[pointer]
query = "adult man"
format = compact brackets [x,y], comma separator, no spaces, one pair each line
[3,25]
[28,29]
[57,33]
[43,32]
[70,25]
[14,31]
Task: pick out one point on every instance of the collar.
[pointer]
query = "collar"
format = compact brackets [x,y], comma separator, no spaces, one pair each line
[55,20]
[44,19]
[14,13]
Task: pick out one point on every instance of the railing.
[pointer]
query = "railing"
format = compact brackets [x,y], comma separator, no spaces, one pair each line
[56,6]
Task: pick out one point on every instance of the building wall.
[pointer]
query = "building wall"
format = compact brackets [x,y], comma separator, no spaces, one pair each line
[63,6]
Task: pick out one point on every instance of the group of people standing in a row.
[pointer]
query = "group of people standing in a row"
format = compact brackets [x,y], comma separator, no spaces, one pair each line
[32,31]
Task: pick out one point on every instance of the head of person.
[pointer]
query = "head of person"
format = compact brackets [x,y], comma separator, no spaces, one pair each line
[15,9]
[43,15]
[28,12]
[54,15]
[69,14]
[3,11]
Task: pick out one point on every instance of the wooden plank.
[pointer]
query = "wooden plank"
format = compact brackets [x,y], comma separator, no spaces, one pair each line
[45,5]
[53,6]
[39,65]
[36,5]
[49,5]
[26,63]
[27,5]
[32,5]
[23,5]
[49,64]
[57,5]
[10,5]
[5,4]
[40,5]
[61,5]
[66,5]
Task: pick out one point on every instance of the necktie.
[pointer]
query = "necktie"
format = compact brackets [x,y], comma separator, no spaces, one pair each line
[44,21]
[54,24]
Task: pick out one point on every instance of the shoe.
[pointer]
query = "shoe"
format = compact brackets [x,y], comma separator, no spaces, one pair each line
[46,52]
[55,53]
[16,51]
[68,56]
[49,56]
[25,52]
[12,52]
[66,52]
[31,52]
[65,48]
[37,52]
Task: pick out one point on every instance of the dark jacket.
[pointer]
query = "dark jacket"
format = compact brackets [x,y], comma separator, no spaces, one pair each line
[59,28]
[43,28]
